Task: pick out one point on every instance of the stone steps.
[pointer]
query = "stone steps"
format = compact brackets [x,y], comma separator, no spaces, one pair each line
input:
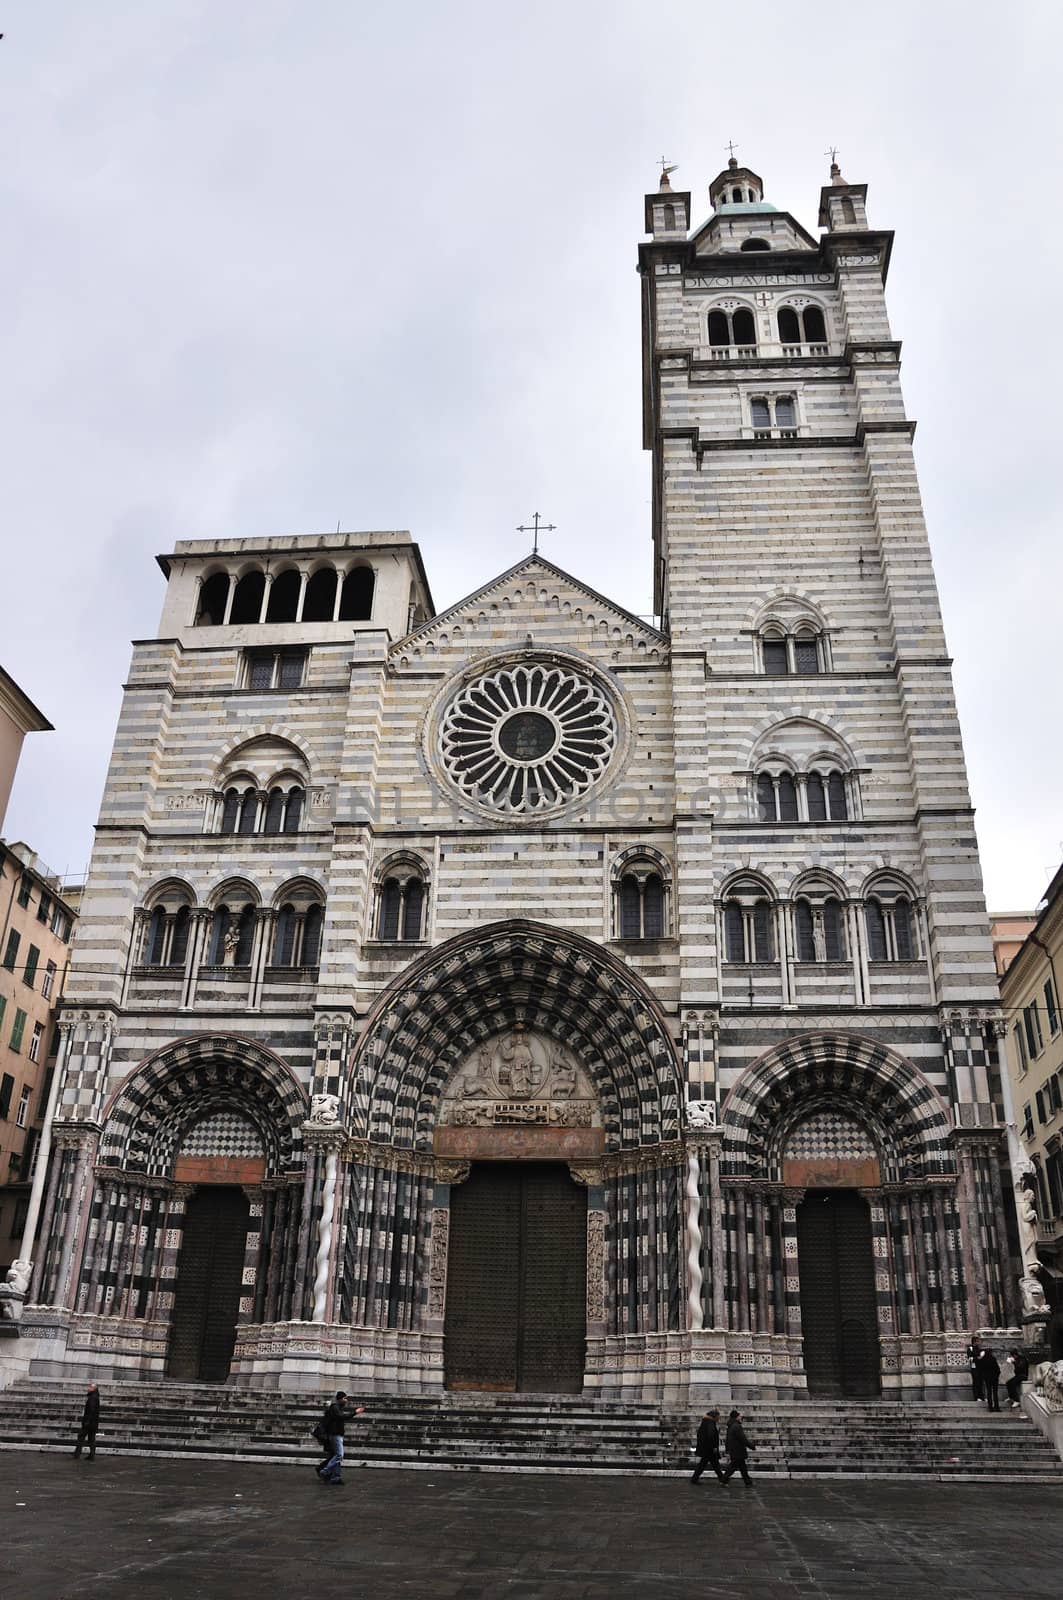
[533,1433]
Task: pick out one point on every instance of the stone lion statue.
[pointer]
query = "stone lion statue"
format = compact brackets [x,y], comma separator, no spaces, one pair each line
[14,1289]
[1053,1386]
[701,1113]
[325,1110]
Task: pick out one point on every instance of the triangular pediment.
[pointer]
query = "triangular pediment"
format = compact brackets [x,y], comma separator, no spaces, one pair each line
[538,597]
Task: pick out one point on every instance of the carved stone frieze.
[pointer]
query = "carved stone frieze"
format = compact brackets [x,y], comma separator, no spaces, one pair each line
[452,1172]
[520,1078]
[595,1266]
[437,1270]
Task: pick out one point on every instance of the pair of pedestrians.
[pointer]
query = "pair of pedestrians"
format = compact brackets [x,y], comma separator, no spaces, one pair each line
[329,1433]
[736,1445]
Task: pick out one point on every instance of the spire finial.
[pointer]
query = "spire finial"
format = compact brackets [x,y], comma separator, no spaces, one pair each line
[835,170]
[732,163]
[666,168]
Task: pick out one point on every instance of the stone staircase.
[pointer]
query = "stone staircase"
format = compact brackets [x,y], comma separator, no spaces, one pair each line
[563,1433]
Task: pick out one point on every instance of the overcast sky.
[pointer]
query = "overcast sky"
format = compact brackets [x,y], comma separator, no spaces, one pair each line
[271,265]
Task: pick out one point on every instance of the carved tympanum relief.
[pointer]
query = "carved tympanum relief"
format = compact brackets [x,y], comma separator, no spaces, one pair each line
[520,1077]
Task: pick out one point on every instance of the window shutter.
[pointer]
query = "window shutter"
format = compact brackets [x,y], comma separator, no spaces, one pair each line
[653,907]
[766,797]
[179,942]
[291,669]
[787,799]
[806,657]
[839,809]
[762,931]
[260,675]
[876,931]
[294,813]
[33,956]
[230,811]
[312,937]
[902,930]
[274,811]
[1017,1035]
[389,910]
[156,937]
[1050,1007]
[14,939]
[630,908]
[734,939]
[806,943]
[411,911]
[776,662]
[7,1087]
[833,934]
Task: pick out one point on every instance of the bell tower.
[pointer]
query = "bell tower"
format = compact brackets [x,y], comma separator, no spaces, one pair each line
[793,569]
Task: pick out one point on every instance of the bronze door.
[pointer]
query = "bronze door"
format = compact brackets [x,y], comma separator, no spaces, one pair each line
[839,1316]
[516,1280]
[209,1273]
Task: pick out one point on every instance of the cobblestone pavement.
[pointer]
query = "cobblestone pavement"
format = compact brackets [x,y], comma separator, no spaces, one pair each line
[156,1529]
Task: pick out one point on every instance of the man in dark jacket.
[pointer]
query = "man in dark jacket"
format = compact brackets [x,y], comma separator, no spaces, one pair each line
[90,1423]
[989,1371]
[708,1446]
[335,1420]
[738,1448]
[976,1376]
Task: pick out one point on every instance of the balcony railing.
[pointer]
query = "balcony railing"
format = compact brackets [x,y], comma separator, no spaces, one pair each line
[805,350]
[733,352]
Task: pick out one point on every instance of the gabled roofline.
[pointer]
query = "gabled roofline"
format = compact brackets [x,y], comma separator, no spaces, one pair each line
[786,216]
[20,708]
[511,572]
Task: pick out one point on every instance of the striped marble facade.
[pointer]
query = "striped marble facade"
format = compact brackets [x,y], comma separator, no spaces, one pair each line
[713,1075]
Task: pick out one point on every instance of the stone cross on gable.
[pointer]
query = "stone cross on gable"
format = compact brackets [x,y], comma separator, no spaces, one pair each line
[535,527]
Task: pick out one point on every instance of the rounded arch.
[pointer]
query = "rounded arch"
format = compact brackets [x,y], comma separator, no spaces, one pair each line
[299,888]
[748,878]
[798,740]
[786,608]
[640,853]
[398,861]
[150,1112]
[850,1072]
[241,889]
[169,891]
[890,882]
[818,881]
[487,981]
[274,731]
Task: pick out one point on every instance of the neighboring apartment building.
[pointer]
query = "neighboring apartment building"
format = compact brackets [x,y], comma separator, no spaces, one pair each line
[1030,994]
[18,716]
[36,926]
[1008,929]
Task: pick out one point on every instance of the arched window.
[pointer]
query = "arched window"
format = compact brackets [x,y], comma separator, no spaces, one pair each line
[356,600]
[230,811]
[219,928]
[820,927]
[248,812]
[319,603]
[747,921]
[732,330]
[773,416]
[293,811]
[836,798]
[777,797]
[166,938]
[798,329]
[213,598]
[402,905]
[274,817]
[755,244]
[297,940]
[283,602]
[817,798]
[802,652]
[641,906]
[890,928]
[736,197]
[848,209]
[245,937]
[669,217]
[247,600]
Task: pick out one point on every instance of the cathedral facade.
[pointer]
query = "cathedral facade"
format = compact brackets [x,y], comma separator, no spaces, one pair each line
[524,997]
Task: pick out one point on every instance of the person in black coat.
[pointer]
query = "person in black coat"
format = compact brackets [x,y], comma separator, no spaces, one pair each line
[1020,1371]
[738,1448]
[90,1423]
[708,1446]
[989,1371]
[976,1377]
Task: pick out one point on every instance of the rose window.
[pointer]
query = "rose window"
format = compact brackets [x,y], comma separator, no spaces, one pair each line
[528,738]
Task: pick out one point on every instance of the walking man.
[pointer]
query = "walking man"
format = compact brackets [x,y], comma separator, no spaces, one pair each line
[90,1424]
[738,1448]
[336,1415]
[989,1370]
[708,1446]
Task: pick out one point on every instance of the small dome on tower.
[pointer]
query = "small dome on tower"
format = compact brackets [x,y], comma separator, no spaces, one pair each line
[737,186]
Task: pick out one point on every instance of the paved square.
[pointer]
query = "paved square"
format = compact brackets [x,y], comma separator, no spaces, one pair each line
[162,1529]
